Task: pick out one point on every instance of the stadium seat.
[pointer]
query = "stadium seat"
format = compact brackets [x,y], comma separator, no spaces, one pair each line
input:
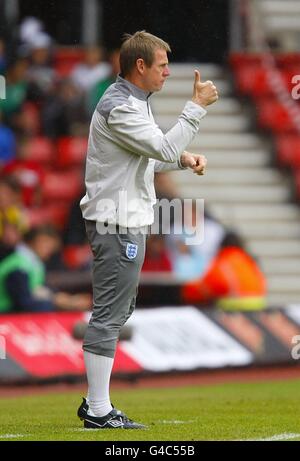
[288,150]
[239,60]
[65,59]
[49,214]
[42,150]
[283,60]
[253,81]
[258,82]
[30,118]
[60,186]
[69,54]
[71,151]
[288,60]
[77,256]
[274,116]
[64,69]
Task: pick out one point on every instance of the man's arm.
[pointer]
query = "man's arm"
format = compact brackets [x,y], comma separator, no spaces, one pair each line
[196,162]
[162,167]
[142,137]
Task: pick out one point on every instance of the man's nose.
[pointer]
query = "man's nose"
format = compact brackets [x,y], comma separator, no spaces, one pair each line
[166,71]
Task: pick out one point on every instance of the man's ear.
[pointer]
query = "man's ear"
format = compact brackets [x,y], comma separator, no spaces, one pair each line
[140,65]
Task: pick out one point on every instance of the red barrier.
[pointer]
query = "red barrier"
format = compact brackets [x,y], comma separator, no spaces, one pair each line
[42,346]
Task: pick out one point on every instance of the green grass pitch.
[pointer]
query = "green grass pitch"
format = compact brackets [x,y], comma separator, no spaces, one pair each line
[239,411]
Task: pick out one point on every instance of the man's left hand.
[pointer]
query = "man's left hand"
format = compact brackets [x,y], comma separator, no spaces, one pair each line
[196,162]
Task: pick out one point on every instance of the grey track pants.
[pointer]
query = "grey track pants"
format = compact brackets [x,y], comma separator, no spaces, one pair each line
[116,271]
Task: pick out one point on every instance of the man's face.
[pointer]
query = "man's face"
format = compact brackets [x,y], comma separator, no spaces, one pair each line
[11,235]
[45,246]
[155,76]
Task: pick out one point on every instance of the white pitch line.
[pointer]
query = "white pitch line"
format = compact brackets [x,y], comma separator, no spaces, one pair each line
[175,421]
[89,431]
[274,438]
[11,436]
[284,436]
[83,429]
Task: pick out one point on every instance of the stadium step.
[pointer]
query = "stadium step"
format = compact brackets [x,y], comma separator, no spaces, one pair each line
[235,158]
[249,212]
[275,248]
[184,87]
[240,188]
[224,123]
[277,266]
[283,299]
[225,176]
[280,21]
[278,8]
[283,23]
[262,230]
[208,71]
[175,105]
[283,283]
[236,193]
[225,141]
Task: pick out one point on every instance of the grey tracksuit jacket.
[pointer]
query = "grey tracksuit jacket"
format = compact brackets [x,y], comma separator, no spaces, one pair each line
[125,148]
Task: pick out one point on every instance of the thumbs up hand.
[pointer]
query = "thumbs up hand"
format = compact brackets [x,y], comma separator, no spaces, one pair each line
[205,93]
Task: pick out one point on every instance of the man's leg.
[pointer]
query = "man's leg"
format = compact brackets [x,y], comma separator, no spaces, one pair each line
[98,369]
[115,280]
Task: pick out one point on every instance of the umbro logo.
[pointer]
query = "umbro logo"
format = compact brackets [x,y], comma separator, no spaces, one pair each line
[115,423]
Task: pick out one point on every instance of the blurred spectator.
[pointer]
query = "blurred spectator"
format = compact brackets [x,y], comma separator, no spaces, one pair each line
[156,258]
[16,89]
[63,111]
[187,262]
[7,143]
[101,86]
[232,281]
[17,278]
[28,173]
[2,57]
[75,233]
[30,27]
[39,245]
[40,75]
[165,188]
[214,232]
[94,69]
[22,273]
[27,121]
[191,260]
[11,204]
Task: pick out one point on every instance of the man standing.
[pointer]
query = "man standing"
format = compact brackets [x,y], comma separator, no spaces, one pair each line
[125,148]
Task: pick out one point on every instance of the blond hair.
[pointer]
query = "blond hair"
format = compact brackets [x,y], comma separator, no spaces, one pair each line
[140,45]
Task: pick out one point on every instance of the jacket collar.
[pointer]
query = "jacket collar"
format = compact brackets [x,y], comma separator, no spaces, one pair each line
[134,90]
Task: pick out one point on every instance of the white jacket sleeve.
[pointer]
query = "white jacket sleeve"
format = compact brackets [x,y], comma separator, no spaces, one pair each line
[160,167]
[134,132]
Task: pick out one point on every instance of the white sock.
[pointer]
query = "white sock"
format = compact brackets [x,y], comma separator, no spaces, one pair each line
[98,369]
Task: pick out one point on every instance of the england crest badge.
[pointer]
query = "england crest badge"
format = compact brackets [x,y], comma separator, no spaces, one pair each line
[131,250]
